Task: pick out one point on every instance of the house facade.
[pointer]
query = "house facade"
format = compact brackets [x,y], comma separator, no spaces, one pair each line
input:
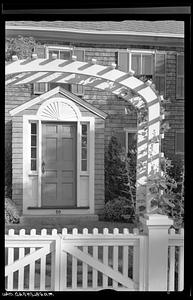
[58,132]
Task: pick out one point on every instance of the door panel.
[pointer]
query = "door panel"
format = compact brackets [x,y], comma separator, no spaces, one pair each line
[59,158]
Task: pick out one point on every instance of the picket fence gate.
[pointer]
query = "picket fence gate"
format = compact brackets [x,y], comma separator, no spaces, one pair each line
[85,261]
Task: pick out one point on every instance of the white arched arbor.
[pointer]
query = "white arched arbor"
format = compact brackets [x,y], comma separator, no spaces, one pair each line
[119,83]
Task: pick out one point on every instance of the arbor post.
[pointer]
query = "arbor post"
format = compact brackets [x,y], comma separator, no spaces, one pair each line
[156,227]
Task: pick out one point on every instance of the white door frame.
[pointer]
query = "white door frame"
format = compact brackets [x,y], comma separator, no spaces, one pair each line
[27,173]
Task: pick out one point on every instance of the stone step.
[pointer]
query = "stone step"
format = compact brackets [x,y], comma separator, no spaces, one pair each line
[58,220]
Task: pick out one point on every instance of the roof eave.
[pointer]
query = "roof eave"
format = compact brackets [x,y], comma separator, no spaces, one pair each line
[101,37]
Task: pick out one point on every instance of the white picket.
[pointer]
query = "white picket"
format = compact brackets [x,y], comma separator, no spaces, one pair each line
[115,264]
[43,266]
[74,264]
[181,266]
[32,266]
[21,270]
[84,265]
[171,263]
[63,264]
[61,244]
[95,255]
[125,261]
[85,270]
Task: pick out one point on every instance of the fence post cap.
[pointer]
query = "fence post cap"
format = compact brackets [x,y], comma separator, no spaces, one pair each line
[156,220]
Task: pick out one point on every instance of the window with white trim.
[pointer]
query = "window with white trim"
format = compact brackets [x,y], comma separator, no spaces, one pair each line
[131,139]
[179,142]
[84,147]
[66,54]
[180,77]
[33,154]
[146,64]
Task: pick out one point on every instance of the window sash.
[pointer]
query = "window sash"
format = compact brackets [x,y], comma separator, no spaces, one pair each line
[33,146]
[156,71]
[77,89]
[84,147]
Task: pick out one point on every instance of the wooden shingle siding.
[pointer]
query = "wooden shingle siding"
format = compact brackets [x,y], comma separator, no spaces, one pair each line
[117,118]
[17,161]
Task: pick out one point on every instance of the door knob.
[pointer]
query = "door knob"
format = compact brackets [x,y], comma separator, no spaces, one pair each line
[43,167]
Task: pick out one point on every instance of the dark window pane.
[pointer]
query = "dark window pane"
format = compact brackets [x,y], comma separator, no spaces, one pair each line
[84,141]
[33,128]
[65,55]
[33,152]
[80,89]
[53,52]
[160,63]
[65,86]
[84,165]
[33,140]
[136,63]
[84,129]
[84,153]
[132,140]
[39,87]
[147,64]
[33,165]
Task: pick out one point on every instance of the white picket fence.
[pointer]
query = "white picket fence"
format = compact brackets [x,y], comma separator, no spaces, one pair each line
[86,261]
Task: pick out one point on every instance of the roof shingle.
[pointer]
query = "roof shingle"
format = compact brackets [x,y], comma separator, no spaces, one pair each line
[170,26]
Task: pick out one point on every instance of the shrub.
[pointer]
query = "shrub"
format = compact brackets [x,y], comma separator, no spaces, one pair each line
[11,212]
[8,170]
[171,201]
[116,177]
[117,209]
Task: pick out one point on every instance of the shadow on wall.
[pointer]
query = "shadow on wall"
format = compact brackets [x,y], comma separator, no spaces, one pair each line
[8,159]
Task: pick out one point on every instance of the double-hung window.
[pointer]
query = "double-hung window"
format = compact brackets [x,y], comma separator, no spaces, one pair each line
[131,139]
[66,54]
[84,147]
[146,64]
[180,77]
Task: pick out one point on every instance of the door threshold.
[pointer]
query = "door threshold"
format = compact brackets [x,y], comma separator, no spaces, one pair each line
[58,207]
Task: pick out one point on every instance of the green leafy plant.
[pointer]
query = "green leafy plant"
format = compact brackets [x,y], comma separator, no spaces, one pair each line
[116,179]
[21,46]
[117,209]
[167,191]
[120,179]
[8,170]
[11,212]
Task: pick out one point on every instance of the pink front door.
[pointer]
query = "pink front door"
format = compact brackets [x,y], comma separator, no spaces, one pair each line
[58,165]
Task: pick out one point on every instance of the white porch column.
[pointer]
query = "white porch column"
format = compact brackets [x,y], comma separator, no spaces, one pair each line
[156,227]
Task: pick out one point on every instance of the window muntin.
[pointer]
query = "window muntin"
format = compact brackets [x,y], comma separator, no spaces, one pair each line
[146,64]
[66,54]
[180,77]
[84,147]
[130,139]
[142,64]
[61,54]
[39,88]
[33,147]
